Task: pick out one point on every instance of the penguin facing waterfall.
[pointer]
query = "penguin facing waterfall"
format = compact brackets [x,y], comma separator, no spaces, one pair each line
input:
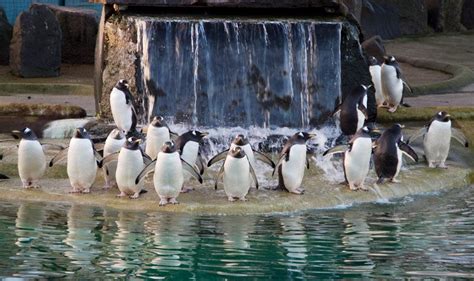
[352,111]
[188,147]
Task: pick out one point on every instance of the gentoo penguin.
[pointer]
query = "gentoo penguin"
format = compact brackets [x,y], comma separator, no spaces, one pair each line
[188,148]
[31,158]
[236,171]
[242,142]
[82,161]
[437,139]
[168,168]
[392,83]
[114,142]
[292,162]
[357,154]
[352,111]
[388,153]
[375,70]
[130,162]
[123,107]
[157,134]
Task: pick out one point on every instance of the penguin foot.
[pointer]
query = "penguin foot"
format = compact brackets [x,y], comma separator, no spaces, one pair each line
[272,187]
[243,199]
[173,201]
[363,188]
[231,199]
[395,180]
[121,194]
[74,190]
[431,165]
[353,187]
[163,202]
[135,195]
[392,109]
[186,189]
[86,190]
[299,191]
[443,165]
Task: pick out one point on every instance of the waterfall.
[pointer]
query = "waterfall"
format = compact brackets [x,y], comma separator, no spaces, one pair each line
[244,72]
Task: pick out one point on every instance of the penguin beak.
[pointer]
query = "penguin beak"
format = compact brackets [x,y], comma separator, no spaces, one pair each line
[16,134]
[203,134]
[447,116]
[311,136]
[402,126]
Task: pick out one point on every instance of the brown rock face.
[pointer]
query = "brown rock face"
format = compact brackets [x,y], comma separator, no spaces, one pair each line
[79,30]
[35,49]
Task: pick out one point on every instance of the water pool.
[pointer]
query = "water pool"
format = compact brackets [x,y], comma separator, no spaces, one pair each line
[423,236]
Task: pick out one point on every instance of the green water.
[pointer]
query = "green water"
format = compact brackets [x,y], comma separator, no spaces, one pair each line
[427,236]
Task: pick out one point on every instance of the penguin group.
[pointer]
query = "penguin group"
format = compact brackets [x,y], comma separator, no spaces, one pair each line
[127,157]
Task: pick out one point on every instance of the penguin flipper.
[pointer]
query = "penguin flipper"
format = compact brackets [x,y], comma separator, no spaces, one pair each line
[252,173]
[58,157]
[113,157]
[421,132]
[264,158]
[336,110]
[307,162]
[191,170]
[220,156]
[280,161]
[146,159]
[459,136]
[336,150]
[408,151]
[148,169]
[3,177]
[218,176]
[200,163]
[405,83]
[363,109]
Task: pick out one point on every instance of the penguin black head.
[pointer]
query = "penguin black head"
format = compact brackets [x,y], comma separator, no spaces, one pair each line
[122,85]
[373,61]
[240,140]
[81,133]
[117,134]
[389,60]
[360,91]
[25,133]
[158,121]
[132,143]
[194,135]
[237,152]
[302,137]
[442,116]
[395,130]
[364,132]
[168,147]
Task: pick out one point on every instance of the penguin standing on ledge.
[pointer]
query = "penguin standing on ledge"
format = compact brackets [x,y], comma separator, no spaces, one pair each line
[123,107]
[31,158]
[352,111]
[392,83]
[375,70]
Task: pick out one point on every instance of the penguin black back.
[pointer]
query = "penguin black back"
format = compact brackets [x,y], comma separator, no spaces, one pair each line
[350,104]
[193,135]
[25,133]
[386,152]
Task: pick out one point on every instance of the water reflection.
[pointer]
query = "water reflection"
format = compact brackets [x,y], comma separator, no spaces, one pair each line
[427,237]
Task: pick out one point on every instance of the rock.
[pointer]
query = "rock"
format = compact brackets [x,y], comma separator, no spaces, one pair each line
[35,49]
[5,38]
[445,15]
[467,15]
[79,29]
[392,19]
[374,47]
[355,7]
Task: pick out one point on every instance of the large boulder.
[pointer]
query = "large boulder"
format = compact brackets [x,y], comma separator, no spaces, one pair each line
[445,15]
[467,16]
[374,47]
[35,49]
[5,38]
[79,29]
[393,18]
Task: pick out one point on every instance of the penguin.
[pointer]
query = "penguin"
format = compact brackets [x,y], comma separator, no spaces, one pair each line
[158,133]
[122,106]
[375,70]
[130,162]
[357,155]
[168,178]
[388,151]
[352,111]
[437,139]
[236,172]
[392,83]
[31,158]
[114,142]
[242,142]
[293,159]
[82,161]
[188,148]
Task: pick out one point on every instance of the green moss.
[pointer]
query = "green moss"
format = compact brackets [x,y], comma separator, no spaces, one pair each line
[407,114]
[55,172]
[49,88]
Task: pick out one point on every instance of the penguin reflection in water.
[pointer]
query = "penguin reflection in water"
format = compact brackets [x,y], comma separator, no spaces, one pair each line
[356,160]
[388,152]
[168,173]
[292,162]
[437,139]
[82,161]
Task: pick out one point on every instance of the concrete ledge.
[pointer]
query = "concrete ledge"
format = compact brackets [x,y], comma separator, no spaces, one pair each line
[462,76]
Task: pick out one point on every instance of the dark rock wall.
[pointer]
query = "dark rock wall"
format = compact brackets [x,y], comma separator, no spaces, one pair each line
[467,16]
[5,37]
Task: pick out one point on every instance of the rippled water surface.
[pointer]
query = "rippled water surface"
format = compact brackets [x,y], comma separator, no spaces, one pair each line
[425,236]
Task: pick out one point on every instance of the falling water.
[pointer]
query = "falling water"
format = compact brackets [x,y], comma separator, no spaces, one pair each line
[218,72]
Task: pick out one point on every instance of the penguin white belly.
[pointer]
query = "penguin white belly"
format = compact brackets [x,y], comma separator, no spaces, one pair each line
[156,137]
[293,169]
[129,166]
[399,163]
[392,86]
[250,155]
[31,160]
[375,73]
[121,111]
[357,161]
[81,163]
[236,177]
[360,119]
[111,146]
[437,141]
[189,154]
[168,178]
